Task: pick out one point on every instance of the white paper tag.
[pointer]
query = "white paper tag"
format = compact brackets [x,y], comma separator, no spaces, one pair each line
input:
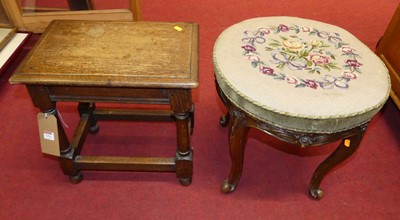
[48,135]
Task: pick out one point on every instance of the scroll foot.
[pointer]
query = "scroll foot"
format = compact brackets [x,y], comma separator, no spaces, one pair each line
[226,187]
[316,194]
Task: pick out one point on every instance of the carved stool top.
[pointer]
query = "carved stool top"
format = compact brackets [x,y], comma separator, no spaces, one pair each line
[300,74]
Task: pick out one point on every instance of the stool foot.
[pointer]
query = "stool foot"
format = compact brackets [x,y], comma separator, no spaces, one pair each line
[94,129]
[76,179]
[226,187]
[316,194]
[184,167]
[185,181]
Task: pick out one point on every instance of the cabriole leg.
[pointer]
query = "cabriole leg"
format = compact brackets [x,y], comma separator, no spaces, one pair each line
[237,140]
[346,148]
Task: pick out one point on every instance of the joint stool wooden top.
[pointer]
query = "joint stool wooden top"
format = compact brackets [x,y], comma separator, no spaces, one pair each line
[303,81]
[121,62]
[114,54]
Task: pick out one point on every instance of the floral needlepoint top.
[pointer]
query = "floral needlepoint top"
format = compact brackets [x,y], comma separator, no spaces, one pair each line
[303,50]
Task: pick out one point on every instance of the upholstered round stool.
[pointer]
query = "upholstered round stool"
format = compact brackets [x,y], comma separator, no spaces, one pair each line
[302,81]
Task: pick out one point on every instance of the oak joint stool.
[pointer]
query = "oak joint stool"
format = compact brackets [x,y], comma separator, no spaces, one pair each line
[91,62]
[302,81]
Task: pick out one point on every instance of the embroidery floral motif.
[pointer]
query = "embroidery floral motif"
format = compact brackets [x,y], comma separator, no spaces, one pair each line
[312,56]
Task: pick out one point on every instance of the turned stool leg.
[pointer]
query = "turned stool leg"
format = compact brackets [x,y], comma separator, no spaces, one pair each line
[88,108]
[346,148]
[184,154]
[67,154]
[41,99]
[183,108]
[237,140]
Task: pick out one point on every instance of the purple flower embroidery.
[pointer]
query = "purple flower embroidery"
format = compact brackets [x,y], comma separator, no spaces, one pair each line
[353,63]
[267,70]
[311,83]
[249,48]
[283,28]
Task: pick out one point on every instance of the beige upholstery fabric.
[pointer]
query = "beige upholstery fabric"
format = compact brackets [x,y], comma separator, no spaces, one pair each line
[300,74]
